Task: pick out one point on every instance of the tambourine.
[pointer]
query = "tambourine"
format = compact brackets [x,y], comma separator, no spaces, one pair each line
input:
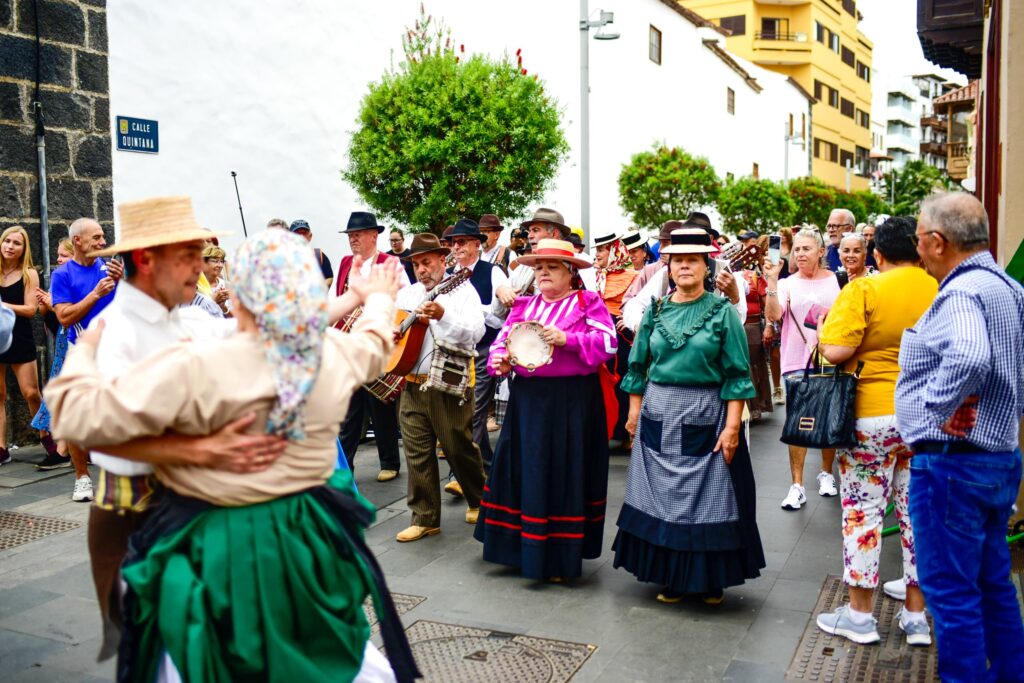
[526,345]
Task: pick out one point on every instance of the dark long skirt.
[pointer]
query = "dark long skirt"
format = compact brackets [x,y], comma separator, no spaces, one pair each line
[688,521]
[544,502]
[758,369]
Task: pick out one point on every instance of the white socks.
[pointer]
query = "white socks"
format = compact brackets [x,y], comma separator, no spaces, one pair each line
[909,617]
[860,618]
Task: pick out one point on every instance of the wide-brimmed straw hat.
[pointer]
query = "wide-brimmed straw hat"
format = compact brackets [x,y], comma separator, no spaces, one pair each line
[551,217]
[690,241]
[634,239]
[554,250]
[602,240]
[425,242]
[155,222]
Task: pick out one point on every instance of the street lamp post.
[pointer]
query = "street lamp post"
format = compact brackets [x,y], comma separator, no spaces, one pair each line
[585,25]
[788,138]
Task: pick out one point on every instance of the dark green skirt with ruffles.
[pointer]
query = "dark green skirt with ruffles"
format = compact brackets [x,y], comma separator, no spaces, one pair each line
[266,592]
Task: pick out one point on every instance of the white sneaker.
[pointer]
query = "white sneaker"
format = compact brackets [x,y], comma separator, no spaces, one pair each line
[896,589]
[83,489]
[918,632]
[777,397]
[827,484]
[795,499]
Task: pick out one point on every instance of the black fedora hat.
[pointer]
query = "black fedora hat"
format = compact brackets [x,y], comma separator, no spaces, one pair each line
[425,242]
[466,227]
[362,220]
[697,219]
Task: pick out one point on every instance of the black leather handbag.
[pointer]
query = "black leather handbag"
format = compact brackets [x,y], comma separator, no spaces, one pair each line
[819,406]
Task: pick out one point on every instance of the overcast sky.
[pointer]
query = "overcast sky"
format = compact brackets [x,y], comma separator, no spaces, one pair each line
[892,26]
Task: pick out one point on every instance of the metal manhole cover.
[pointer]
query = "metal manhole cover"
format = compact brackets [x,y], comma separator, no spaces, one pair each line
[824,657]
[452,653]
[17,528]
[403,603]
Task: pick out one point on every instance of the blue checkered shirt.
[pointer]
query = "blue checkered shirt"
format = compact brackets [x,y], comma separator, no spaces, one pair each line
[971,341]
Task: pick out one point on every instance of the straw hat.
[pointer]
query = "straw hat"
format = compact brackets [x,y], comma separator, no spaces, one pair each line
[690,241]
[554,250]
[156,222]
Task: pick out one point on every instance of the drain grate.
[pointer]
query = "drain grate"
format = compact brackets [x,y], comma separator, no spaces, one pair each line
[17,528]
[453,654]
[403,603]
[824,657]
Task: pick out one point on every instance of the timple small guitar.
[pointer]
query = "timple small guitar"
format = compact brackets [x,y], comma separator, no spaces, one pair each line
[410,331]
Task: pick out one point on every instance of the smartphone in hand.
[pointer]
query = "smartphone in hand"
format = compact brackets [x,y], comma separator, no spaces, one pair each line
[775,248]
[811,319]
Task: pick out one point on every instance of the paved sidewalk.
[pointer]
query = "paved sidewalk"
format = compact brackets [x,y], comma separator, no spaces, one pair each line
[49,623]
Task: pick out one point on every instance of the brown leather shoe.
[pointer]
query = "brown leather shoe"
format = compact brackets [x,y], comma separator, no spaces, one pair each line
[453,488]
[415,533]
[387,475]
[472,514]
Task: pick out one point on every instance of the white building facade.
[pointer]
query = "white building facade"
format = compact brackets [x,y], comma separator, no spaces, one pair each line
[912,129]
[271,90]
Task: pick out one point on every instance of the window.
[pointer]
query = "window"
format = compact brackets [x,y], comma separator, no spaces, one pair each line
[833,98]
[730,100]
[820,33]
[848,58]
[790,125]
[851,7]
[654,49]
[756,171]
[828,151]
[846,107]
[863,71]
[774,29]
[833,42]
[863,119]
[818,88]
[736,25]
[861,160]
[845,158]
[803,126]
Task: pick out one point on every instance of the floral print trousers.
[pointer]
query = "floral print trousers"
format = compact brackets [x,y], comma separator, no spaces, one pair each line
[875,469]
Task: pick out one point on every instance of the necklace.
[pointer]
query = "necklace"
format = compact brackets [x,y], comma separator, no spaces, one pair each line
[7,273]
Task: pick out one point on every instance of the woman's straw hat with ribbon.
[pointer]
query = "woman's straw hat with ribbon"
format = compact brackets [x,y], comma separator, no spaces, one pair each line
[155,222]
[554,250]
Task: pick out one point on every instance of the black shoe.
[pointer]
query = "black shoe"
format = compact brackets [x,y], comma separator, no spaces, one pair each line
[54,461]
[5,456]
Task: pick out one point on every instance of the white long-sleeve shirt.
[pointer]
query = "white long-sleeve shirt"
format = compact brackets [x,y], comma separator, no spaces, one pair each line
[634,309]
[494,312]
[462,323]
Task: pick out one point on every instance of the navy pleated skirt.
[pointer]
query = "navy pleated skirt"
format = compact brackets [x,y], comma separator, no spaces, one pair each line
[544,503]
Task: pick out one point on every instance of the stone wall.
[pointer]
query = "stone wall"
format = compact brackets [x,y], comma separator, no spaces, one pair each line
[75,99]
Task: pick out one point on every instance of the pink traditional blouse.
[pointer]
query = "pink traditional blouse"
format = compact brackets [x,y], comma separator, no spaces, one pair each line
[590,338]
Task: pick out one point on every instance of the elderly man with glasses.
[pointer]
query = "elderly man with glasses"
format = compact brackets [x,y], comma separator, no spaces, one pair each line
[839,221]
[959,400]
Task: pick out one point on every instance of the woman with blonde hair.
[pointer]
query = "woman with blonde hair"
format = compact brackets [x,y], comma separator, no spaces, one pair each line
[214,262]
[18,284]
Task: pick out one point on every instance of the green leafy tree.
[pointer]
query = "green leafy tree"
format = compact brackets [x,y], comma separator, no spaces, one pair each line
[814,200]
[445,135]
[909,186]
[753,204]
[665,183]
[865,204]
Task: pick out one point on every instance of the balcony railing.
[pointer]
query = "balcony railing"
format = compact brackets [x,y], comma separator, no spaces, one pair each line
[957,149]
[930,147]
[933,122]
[797,37]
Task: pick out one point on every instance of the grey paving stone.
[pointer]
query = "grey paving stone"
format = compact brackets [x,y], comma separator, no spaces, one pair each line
[14,601]
[750,672]
[19,651]
[66,619]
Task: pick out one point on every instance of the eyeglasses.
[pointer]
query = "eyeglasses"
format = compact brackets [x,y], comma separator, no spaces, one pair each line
[916,237]
[838,225]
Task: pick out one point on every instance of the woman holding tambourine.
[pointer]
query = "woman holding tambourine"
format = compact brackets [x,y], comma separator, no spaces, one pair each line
[544,503]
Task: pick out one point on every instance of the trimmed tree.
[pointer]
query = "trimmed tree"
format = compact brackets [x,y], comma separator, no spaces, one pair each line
[754,204]
[814,200]
[664,184]
[447,135]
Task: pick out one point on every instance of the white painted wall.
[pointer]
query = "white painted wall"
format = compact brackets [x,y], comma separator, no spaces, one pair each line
[272,89]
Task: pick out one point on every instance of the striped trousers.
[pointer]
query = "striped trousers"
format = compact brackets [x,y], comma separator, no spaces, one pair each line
[427,417]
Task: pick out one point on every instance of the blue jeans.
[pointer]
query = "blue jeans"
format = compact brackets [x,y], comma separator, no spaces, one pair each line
[959,508]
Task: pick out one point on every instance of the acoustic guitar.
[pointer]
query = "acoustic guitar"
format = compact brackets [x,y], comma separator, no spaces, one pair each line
[410,331]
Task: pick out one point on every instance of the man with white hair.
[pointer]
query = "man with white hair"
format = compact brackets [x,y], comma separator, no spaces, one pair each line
[80,290]
[959,401]
[839,221]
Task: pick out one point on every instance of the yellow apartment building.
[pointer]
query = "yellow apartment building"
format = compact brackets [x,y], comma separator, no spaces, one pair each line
[817,44]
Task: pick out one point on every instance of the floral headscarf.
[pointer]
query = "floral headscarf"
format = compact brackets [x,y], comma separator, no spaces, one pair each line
[618,261]
[277,278]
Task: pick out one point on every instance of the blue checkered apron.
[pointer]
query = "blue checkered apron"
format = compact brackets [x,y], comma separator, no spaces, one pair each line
[673,474]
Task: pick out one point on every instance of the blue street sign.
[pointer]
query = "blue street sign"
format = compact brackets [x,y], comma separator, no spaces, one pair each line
[137,135]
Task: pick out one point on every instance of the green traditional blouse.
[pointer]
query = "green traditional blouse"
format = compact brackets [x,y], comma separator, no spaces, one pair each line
[697,343]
